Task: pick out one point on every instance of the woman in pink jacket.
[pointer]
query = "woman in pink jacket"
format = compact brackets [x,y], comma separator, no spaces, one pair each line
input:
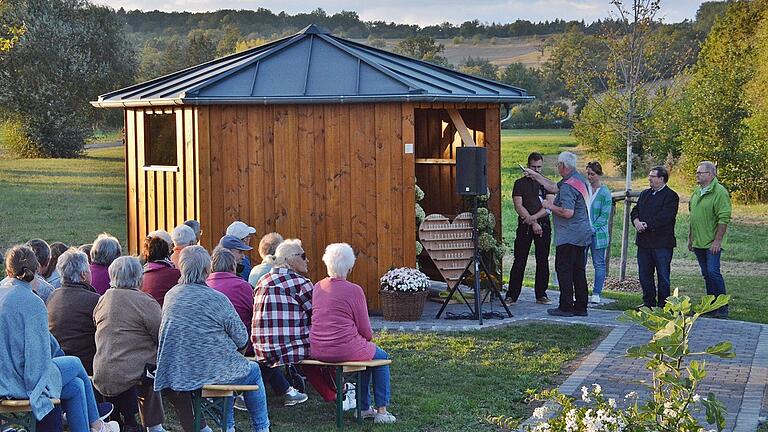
[341,330]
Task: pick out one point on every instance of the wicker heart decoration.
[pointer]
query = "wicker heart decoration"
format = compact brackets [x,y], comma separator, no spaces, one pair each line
[448,243]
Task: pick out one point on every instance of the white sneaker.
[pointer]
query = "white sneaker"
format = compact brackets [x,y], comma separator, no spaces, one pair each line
[595,299]
[384,418]
[293,397]
[240,403]
[206,429]
[111,426]
[349,402]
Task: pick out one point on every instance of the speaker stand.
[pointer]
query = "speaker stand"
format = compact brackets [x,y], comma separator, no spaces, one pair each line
[477,262]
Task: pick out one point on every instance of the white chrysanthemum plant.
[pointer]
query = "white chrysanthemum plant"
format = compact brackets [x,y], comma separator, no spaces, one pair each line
[404,279]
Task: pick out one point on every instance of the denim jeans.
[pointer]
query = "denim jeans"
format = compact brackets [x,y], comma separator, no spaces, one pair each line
[710,269]
[275,378]
[658,260]
[77,396]
[380,383]
[598,262]
[256,401]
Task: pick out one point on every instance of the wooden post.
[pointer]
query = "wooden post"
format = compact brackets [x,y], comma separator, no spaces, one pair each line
[610,237]
[461,127]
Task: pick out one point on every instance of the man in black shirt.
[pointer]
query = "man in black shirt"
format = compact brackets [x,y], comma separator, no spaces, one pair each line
[654,219]
[533,226]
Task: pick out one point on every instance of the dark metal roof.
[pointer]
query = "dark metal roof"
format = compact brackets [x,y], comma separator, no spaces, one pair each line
[312,66]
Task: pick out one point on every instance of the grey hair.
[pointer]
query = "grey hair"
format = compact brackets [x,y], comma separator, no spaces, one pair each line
[568,159]
[339,258]
[269,243]
[711,167]
[71,265]
[126,272]
[105,249]
[194,264]
[183,236]
[195,225]
[163,234]
[285,250]
[223,260]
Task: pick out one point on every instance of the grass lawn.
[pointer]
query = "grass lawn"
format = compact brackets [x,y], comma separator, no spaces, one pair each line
[453,382]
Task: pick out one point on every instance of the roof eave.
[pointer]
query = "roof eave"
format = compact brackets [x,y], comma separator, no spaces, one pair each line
[334,99]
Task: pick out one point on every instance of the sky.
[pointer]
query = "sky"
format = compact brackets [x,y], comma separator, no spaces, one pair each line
[425,12]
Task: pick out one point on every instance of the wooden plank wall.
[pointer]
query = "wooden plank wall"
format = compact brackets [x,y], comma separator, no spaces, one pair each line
[159,199]
[321,173]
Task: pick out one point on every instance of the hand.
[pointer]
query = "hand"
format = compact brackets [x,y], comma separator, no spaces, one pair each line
[527,172]
[690,246]
[547,205]
[530,220]
[640,226]
[715,248]
[537,230]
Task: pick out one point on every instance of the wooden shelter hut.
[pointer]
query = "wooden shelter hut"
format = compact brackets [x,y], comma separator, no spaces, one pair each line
[313,136]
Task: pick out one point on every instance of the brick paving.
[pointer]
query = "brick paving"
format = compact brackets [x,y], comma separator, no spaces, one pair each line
[740,383]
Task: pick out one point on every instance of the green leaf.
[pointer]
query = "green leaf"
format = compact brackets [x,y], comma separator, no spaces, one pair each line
[696,370]
[715,411]
[722,350]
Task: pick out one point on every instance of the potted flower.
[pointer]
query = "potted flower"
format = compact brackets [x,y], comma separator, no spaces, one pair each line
[403,292]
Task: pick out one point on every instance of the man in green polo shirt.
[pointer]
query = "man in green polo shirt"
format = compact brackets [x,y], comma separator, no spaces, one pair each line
[710,208]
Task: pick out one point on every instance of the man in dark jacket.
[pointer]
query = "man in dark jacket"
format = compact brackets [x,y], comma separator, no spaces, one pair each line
[654,218]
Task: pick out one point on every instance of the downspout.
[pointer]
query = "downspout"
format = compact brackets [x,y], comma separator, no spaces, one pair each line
[509,114]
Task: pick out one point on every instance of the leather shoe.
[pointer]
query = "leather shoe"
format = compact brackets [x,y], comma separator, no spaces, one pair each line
[580,313]
[544,301]
[559,312]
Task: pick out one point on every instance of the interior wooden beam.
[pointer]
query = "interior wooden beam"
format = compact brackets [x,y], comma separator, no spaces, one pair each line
[461,127]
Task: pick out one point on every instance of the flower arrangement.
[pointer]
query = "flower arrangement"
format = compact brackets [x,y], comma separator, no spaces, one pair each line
[404,279]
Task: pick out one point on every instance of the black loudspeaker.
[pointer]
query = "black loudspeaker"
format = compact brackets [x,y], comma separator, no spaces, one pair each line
[471,178]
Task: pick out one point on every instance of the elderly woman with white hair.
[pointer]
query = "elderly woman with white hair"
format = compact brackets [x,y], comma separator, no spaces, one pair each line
[183,236]
[70,308]
[201,339]
[341,330]
[105,249]
[127,326]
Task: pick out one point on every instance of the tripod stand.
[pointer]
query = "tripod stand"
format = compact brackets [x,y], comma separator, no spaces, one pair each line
[477,262]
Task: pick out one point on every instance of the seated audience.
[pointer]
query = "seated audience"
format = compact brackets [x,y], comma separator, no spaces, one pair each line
[159,273]
[127,326]
[70,309]
[27,365]
[195,225]
[243,232]
[40,286]
[341,330]
[52,275]
[267,246]
[105,250]
[182,236]
[238,249]
[165,235]
[200,339]
[86,249]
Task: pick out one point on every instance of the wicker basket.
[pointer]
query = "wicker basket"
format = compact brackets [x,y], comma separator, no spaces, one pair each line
[402,306]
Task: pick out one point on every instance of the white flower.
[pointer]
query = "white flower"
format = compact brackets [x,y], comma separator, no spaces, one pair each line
[585,394]
[541,427]
[631,395]
[596,389]
[405,280]
[540,412]
[612,402]
[668,412]
[571,422]
[696,398]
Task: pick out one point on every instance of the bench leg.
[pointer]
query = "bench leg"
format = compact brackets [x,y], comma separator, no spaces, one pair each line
[197,409]
[223,403]
[359,397]
[339,397]
[26,420]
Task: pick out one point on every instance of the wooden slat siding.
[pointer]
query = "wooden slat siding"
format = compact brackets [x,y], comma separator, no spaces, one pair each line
[171,214]
[371,279]
[305,171]
[229,149]
[345,184]
[151,200]
[396,182]
[217,157]
[493,142]
[243,203]
[293,169]
[160,199]
[319,190]
[131,190]
[269,163]
[256,169]
[180,187]
[282,168]
[333,204]
[188,204]
[361,163]
[383,203]
[409,190]
[141,178]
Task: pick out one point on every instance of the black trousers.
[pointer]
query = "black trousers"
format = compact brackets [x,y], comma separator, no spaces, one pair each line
[524,236]
[570,266]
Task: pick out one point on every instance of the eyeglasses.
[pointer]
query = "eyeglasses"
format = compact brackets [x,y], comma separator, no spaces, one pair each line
[303,255]
[702,172]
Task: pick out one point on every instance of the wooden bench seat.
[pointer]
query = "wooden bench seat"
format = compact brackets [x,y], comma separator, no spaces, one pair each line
[19,412]
[212,400]
[340,368]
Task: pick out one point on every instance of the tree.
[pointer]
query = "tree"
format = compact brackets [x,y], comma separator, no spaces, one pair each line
[201,47]
[70,52]
[480,67]
[422,48]
[519,75]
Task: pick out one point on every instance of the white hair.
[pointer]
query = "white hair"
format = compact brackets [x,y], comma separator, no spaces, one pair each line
[163,234]
[710,166]
[71,265]
[269,243]
[194,264]
[223,260]
[126,272]
[183,236]
[287,249]
[106,249]
[339,258]
[568,159]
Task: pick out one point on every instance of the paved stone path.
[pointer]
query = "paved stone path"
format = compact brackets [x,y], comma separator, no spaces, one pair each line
[740,383]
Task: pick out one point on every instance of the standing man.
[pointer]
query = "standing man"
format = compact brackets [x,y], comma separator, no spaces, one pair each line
[573,232]
[532,227]
[710,208]
[654,219]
